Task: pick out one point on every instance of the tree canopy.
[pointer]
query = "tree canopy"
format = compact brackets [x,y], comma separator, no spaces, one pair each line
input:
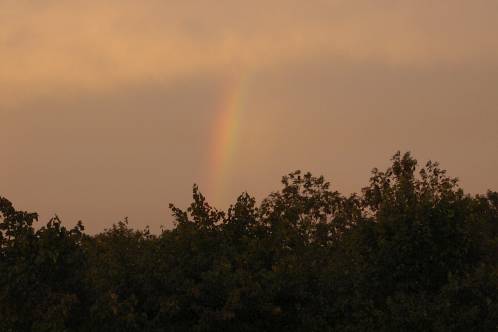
[411,252]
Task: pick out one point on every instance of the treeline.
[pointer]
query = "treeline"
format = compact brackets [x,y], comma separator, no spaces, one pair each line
[412,252]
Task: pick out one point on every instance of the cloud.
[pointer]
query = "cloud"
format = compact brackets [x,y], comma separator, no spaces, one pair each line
[46,47]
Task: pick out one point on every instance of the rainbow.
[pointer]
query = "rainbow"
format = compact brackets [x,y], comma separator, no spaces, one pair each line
[223,147]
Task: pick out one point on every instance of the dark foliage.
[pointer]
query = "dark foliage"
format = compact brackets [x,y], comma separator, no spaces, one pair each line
[412,252]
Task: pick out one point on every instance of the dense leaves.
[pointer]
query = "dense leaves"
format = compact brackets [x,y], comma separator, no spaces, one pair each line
[412,252]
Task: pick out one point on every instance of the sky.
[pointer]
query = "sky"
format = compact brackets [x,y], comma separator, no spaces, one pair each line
[115,108]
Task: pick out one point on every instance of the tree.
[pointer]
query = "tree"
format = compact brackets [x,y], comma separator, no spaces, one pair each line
[41,285]
[412,252]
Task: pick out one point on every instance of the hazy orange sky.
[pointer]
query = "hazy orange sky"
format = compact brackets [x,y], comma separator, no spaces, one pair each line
[115,108]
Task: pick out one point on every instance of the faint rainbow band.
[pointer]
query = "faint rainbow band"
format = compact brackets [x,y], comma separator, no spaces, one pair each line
[225,135]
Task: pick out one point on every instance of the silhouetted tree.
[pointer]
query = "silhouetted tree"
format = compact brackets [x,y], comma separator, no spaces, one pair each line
[412,252]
